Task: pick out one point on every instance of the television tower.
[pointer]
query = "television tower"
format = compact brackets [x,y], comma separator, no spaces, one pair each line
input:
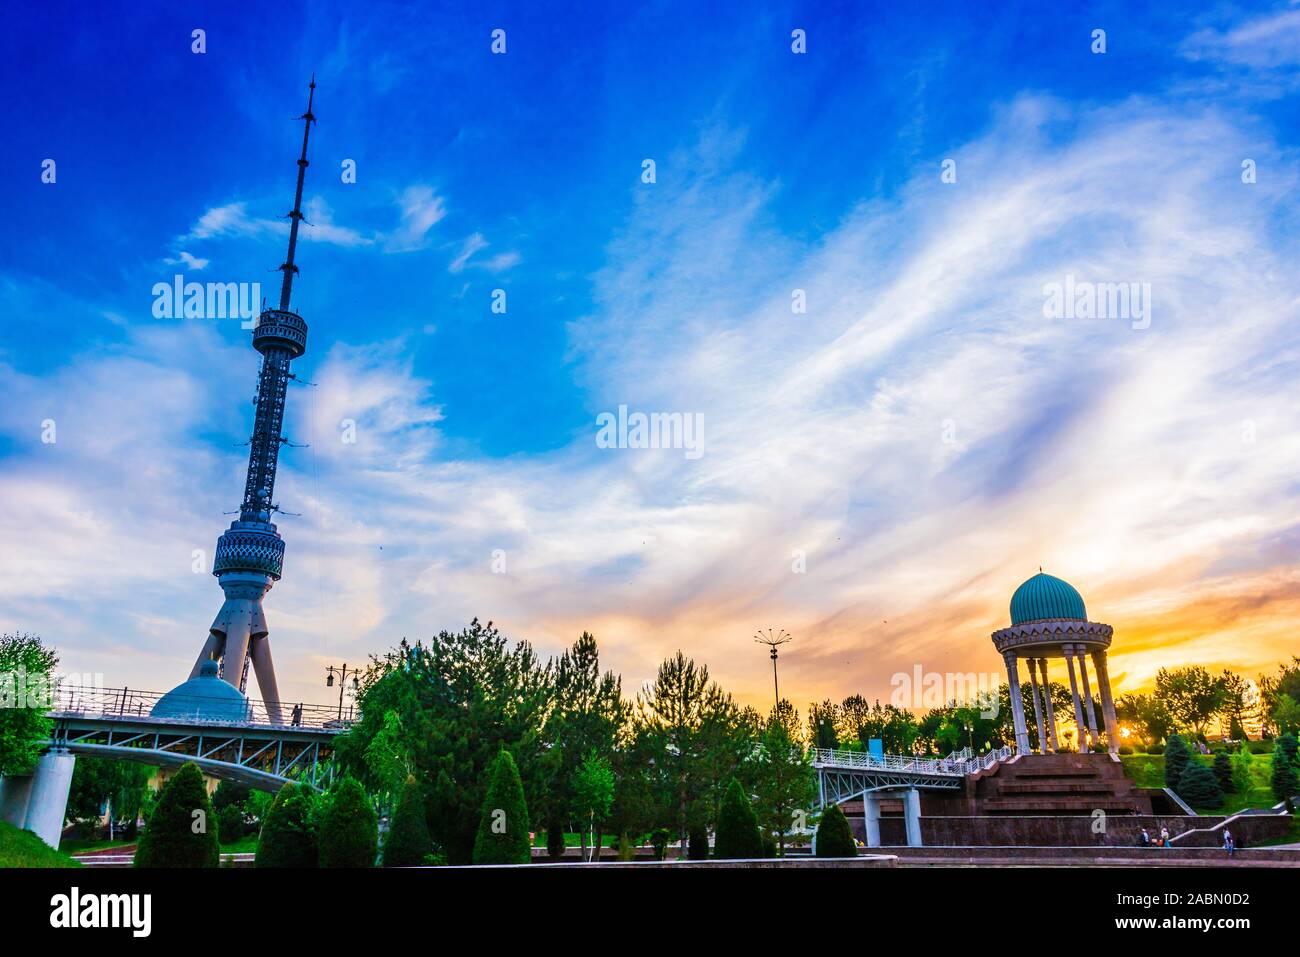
[250,554]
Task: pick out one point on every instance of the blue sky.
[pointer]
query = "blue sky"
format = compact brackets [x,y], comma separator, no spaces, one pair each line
[775,171]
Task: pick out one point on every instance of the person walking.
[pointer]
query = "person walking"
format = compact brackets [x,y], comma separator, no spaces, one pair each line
[1164,837]
[1144,839]
[1229,842]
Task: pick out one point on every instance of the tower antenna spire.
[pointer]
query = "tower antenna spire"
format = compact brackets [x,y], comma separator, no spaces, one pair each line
[295,215]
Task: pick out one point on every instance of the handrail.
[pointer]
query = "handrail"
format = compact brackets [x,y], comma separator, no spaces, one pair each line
[92,701]
[957,764]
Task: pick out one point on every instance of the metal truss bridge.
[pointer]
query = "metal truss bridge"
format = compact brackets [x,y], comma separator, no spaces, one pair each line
[844,775]
[257,749]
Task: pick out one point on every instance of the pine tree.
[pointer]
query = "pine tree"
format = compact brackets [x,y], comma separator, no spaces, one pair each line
[349,832]
[1284,775]
[182,830]
[288,836]
[1223,771]
[1176,757]
[1289,744]
[1199,787]
[407,843]
[503,825]
[736,836]
[1241,776]
[834,836]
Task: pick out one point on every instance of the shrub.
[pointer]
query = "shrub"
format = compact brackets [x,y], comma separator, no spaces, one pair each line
[1125,749]
[698,845]
[231,823]
[834,836]
[736,836]
[1241,776]
[288,836]
[1284,775]
[348,835]
[171,839]
[1156,748]
[407,843]
[767,843]
[503,826]
[659,839]
[1199,787]
[1177,755]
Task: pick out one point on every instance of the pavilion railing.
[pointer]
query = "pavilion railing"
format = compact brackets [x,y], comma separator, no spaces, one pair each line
[95,702]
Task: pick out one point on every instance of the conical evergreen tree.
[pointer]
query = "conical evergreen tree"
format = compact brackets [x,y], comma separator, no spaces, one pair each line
[288,836]
[1176,757]
[1199,787]
[349,833]
[503,825]
[1284,775]
[182,830]
[407,843]
[1223,771]
[834,836]
[736,836]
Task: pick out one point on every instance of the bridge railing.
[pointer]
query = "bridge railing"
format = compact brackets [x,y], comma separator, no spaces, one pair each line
[957,764]
[92,701]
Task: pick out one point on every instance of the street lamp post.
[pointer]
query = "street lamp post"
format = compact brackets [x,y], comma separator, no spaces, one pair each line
[772,641]
[343,673]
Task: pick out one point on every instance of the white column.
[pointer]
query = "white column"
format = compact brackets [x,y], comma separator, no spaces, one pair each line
[912,816]
[15,795]
[1091,712]
[49,802]
[871,818]
[1038,709]
[1017,703]
[1047,698]
[1107,702]
[1074,693]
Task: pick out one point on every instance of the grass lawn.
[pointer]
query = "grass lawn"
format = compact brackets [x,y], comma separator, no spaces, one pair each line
[25,849]
[1148,771]
[243,845]
[80,845]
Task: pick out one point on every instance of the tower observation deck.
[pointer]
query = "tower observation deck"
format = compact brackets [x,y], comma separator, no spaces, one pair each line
[249,556]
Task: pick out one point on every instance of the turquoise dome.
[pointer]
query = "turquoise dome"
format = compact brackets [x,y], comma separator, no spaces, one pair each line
[1044,596]
[203,698]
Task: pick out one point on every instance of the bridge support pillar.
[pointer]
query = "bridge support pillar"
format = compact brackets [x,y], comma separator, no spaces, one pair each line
[15,795]
[49,799]
[871,818]
[912,816]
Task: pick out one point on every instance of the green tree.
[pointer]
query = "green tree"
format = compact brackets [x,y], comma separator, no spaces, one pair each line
[407,843]
[288,835]
[1147,714]
[1284,776]
[1272,687]
[695,739]
[834,836]
[26,667]
[1192,695]
[822,719]
[108,784]
[182,831]
[503,836]
[697,849]
[1242,780]
[784,779]
[460,699]
[1223,771]
[1199,787]
[348,835]
[1177,757]
[737,836]
[593,796]
[1288,743]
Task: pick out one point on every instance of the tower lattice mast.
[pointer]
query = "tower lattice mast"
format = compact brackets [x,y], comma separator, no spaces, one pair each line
[250,554]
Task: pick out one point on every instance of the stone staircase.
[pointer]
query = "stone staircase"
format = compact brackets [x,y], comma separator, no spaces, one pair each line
[1056,784]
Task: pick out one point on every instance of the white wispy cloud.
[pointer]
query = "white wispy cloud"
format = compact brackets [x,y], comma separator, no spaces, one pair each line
[475,244]
[922,434]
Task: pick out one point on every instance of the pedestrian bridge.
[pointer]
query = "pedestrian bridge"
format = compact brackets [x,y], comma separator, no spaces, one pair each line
[260,746]
[845,775]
